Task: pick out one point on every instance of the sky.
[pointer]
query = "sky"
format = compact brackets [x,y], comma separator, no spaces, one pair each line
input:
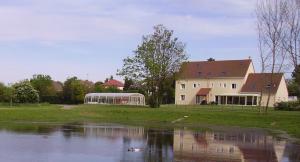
[90,38]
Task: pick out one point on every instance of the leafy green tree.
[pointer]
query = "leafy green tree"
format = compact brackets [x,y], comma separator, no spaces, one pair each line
[6,93]
[128,84]
[296,75]
[294,87]
[111,89]
[169,91]
[89,86]
[74,91]
[24,92]
[43,84]
[158,57]
[98,88]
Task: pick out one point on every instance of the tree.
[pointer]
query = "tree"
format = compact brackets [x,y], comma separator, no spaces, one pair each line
[111,89]
[74,91]
[293,88]
[270,19]
[25,93]
[211,59]
[291,41]
[44,85]
[128,83]
[296,80]
[98,88]
[108,79]
[159,56]
[5,93]
[169,92]
[296,74]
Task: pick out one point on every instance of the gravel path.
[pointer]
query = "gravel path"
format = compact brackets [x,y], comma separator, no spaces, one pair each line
[68,107]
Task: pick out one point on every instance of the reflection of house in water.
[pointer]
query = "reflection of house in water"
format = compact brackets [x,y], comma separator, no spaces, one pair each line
[231,147]
[114,131]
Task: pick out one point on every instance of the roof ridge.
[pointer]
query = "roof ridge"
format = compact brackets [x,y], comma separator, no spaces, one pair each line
[218,60]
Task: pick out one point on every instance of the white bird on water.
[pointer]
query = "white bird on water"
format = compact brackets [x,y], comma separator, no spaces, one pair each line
[135,149]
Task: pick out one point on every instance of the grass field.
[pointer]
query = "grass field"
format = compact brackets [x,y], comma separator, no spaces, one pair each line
[288,121]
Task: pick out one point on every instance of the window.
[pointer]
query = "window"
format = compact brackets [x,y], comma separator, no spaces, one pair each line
[220,85]
[233,86]
[195,85]
[255,100]
[182,97]
[224,85]
[231,150]
[249,100]
[212,84]
[182,86]
[242,100]
[236,100]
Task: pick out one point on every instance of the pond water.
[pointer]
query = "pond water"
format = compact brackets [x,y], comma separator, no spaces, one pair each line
[114,143]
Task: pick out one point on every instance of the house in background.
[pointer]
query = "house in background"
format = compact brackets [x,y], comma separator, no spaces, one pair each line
[228,82]
[114,83]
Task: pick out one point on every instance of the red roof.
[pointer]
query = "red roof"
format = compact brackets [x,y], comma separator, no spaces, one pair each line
[261,82]
[203,91]
[215,69]
[114,83]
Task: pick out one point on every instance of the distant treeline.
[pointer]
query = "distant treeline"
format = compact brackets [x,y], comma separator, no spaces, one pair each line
[42,89]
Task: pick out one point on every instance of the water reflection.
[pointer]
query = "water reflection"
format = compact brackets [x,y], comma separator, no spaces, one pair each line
[111,142]
[227,146]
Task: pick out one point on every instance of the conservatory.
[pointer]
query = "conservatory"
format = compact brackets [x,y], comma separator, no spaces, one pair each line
[115,98]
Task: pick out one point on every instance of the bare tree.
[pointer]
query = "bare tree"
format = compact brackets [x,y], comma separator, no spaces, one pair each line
[270,19]
[264,56]
[291,42]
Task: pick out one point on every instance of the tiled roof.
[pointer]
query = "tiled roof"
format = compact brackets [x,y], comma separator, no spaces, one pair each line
[203,91]
[261,82]
[114,83]
[58,86]
[214,69]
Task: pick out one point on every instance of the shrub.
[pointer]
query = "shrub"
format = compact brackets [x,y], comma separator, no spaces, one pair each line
[25,93]
[288,106]
[213,103]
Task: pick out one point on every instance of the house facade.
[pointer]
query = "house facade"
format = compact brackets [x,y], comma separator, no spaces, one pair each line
[229,82]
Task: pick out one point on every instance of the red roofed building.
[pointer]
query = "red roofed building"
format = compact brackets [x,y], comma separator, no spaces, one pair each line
[114,83]
[228,82]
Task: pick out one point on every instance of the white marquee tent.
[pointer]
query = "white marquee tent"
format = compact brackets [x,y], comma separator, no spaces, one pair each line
[115,98]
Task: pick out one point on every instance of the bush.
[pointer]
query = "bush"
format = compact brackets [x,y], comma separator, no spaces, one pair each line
[288,106]
[213,103]
[25,93]
[203,102]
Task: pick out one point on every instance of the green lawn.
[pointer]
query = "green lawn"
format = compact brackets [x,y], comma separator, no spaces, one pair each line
[288,121]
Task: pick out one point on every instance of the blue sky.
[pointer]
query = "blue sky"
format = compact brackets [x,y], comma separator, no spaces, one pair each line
[89,38]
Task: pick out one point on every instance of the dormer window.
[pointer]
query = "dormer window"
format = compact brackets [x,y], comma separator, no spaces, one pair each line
[269,86]
[233,86]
